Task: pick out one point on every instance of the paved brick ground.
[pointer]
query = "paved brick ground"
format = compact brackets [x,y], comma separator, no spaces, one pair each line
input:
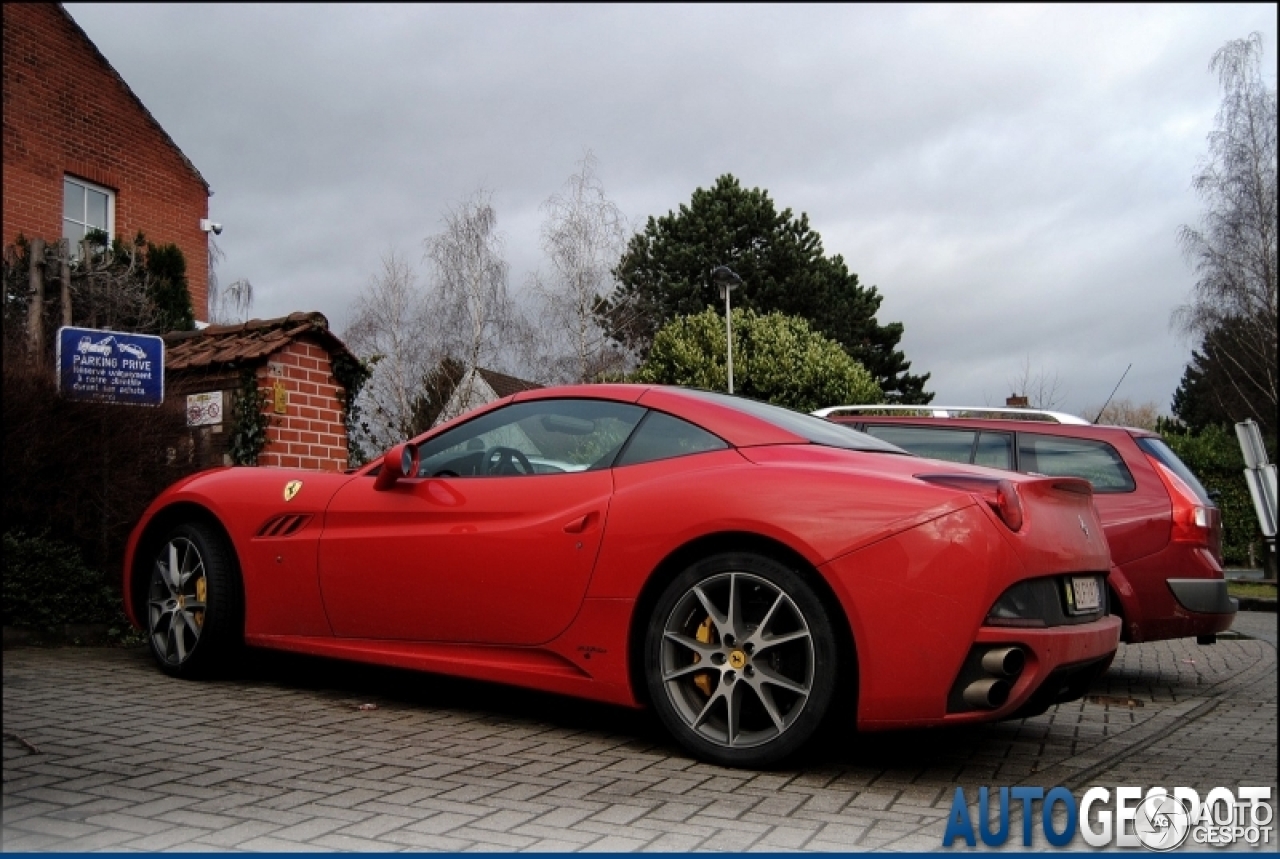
[102,752]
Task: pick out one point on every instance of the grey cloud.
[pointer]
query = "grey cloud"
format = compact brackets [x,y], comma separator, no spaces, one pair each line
[1010,177]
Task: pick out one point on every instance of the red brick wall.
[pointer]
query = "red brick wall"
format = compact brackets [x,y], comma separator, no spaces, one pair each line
[311,433]
[65,111]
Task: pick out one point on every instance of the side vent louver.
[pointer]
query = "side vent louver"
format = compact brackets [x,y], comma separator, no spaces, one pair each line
[284,525]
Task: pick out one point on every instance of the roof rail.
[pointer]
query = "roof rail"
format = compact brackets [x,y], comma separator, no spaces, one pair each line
[1006,413]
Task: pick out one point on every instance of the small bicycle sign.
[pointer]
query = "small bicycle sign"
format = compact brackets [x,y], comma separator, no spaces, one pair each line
[204,409]
[204,413]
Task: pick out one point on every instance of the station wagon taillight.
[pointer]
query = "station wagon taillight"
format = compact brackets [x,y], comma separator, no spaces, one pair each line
[1193,521]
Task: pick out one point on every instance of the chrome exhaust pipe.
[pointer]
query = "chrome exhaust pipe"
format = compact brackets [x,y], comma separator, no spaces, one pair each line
[1004,662]
[987,693]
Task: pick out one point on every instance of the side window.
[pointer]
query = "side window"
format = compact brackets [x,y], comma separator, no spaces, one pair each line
[661,436]
[85,207]
[536,437]
[1057,456]
[995,450]
[953,445]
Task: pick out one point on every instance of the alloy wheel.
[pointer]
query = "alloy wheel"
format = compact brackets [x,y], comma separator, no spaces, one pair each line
[176,604]
[737,660]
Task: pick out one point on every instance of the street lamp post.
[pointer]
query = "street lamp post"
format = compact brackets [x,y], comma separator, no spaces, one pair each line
[724,277]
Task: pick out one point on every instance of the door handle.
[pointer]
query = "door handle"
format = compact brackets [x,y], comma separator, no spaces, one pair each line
[577,526]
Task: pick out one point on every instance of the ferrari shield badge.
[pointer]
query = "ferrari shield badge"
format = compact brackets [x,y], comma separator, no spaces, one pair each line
[291,489]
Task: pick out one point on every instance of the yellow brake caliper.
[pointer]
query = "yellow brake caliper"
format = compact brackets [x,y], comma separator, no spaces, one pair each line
[201,592]
[705,634]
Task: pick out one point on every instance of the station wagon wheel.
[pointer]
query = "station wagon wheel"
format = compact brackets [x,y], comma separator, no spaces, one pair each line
[193,614]
[740,660]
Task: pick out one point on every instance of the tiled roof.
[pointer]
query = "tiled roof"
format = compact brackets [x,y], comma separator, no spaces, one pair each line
[247,342]
[504,385]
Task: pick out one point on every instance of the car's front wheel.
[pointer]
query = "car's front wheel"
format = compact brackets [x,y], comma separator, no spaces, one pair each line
[193,605]
[740,660]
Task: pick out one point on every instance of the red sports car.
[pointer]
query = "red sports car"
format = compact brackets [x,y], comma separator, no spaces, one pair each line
[688,550]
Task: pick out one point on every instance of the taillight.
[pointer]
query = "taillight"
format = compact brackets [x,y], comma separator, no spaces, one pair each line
[1001,495]
[1192,520]
[1009,504]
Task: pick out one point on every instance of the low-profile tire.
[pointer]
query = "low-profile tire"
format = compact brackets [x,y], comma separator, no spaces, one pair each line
[193,602]
[740,660]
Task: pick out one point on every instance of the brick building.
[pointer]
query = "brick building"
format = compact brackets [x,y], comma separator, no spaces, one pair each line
[81,151]
[292,359]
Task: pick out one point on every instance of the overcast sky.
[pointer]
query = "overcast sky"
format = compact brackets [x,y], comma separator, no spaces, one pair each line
[1011,178]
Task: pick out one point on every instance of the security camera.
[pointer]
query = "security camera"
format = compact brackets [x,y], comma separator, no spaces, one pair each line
[210,227]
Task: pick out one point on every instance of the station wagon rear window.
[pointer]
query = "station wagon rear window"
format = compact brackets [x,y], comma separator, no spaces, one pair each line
[950,444]
[992,449]
[1057,456]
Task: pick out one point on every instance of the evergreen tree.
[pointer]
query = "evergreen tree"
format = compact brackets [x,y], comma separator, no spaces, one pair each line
[1215,389]
[167,288]
[665,273]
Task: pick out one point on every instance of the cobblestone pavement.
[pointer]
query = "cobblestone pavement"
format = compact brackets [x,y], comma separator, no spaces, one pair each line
[103,752]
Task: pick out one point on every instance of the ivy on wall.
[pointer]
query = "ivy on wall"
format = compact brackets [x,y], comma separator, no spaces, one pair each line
[351,374]
[249,421]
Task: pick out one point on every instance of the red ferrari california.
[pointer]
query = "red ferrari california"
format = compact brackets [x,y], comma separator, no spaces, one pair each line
[685,550]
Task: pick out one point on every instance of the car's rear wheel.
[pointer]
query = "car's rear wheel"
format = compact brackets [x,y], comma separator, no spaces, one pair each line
[193,605]
[740,660]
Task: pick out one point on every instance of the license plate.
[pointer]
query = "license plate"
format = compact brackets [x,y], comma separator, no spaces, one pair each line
[1083,595]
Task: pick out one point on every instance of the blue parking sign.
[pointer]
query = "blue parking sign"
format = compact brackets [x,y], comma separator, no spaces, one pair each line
[110,366]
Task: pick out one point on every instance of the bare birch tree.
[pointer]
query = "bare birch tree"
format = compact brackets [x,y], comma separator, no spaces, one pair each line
[1233,251]
[472,310]
[1043,390]
[390,328]
[583,237]
[1127,413]
[230,304]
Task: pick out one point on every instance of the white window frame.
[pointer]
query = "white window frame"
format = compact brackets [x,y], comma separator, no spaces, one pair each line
[82,221]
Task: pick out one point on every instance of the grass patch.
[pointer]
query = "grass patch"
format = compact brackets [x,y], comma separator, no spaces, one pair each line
[1253,590]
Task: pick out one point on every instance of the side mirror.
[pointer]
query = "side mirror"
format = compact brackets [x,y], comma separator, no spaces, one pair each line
[400,461]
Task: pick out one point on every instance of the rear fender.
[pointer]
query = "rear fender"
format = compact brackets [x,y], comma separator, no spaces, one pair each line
[1062,530]
[947,574]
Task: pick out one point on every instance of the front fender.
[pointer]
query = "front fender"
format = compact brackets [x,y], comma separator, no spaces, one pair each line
[240,501]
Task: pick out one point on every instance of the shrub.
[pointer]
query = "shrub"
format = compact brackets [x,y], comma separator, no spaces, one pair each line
[776,358]
[1214,456]
[83,472]
[47,585]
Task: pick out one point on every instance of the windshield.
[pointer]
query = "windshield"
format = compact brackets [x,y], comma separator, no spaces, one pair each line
[814,430]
